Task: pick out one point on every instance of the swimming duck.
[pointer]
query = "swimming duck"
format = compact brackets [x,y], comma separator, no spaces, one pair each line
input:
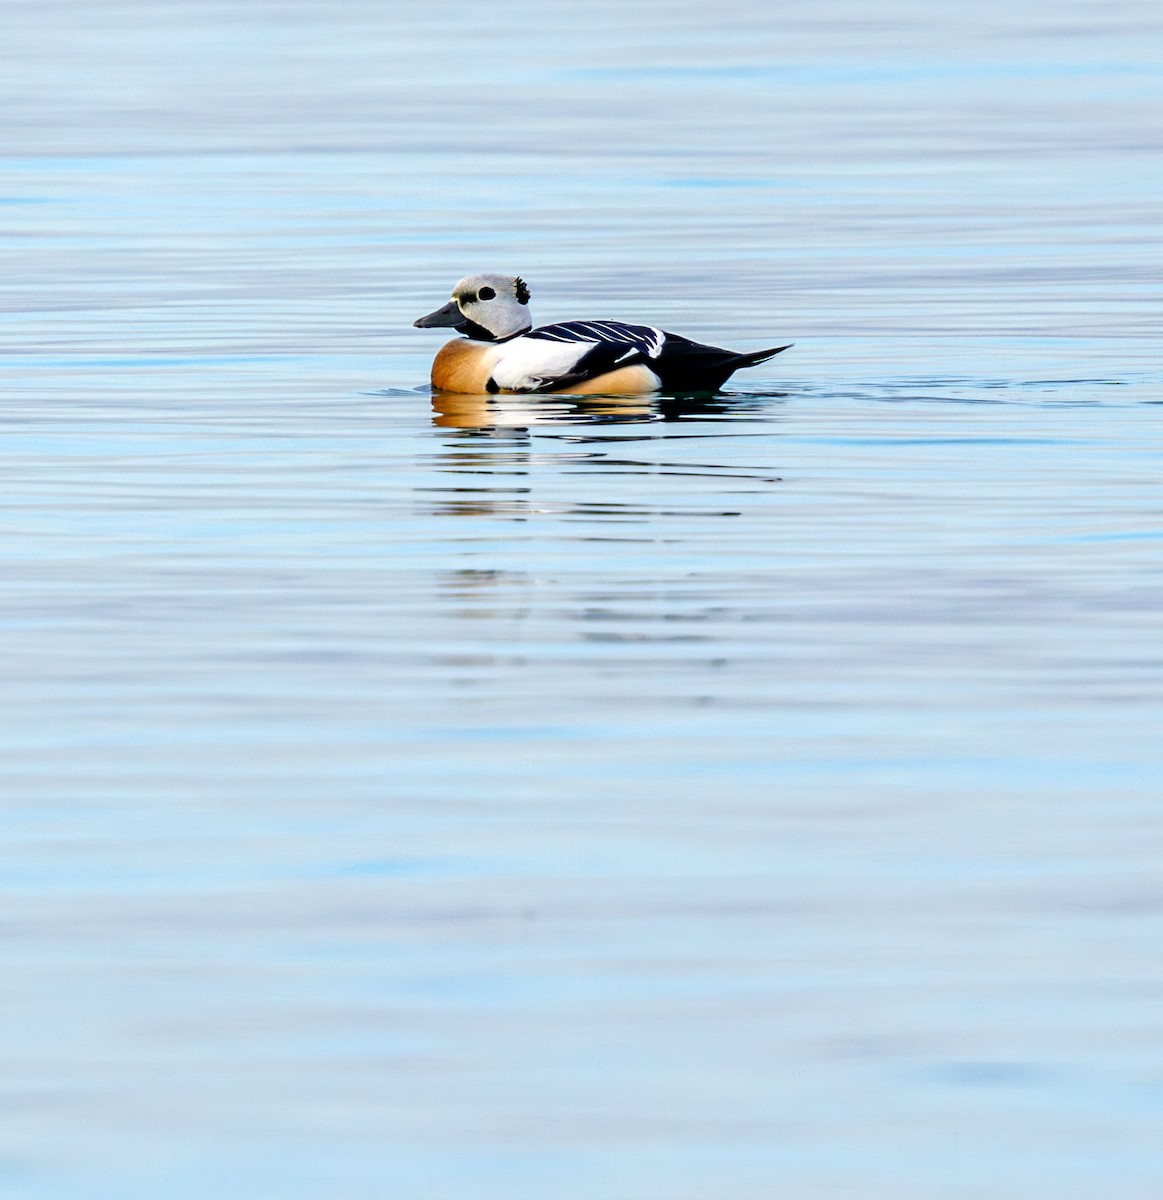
[502,352]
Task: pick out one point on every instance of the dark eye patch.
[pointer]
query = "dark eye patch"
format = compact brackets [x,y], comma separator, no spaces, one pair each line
[486,293]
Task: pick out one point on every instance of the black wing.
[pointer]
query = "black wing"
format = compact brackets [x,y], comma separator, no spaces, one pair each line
[680,364]
[615,344]
[644,338]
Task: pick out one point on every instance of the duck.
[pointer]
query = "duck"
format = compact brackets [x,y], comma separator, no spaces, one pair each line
[501,352]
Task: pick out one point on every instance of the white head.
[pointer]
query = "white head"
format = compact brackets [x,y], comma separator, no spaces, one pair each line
[488,308]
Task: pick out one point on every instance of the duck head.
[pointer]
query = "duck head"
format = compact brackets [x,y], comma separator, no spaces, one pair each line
[487,308]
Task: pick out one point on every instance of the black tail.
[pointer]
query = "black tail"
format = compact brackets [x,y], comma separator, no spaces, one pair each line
[754,357]
[687,366]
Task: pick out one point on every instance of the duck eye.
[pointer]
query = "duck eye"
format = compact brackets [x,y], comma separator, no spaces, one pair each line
[486,293]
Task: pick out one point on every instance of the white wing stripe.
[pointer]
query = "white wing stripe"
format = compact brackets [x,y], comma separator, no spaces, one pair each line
[645,338]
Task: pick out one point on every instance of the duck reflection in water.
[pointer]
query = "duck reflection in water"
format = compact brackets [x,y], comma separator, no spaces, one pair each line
[518,412]
[459,411]
[486,472]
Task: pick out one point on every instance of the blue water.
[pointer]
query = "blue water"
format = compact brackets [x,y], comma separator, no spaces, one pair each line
[459,798]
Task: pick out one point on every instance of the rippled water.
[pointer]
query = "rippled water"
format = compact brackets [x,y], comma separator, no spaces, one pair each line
[441,798]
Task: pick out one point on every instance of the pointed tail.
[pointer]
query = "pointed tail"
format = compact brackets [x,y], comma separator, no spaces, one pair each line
[754,357]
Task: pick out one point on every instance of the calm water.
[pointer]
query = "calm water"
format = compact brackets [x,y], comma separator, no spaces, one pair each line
[425,799]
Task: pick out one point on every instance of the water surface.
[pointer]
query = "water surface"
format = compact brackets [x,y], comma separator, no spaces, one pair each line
[442,798]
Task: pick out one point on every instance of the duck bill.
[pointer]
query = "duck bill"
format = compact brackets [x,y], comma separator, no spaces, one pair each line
[448,317]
